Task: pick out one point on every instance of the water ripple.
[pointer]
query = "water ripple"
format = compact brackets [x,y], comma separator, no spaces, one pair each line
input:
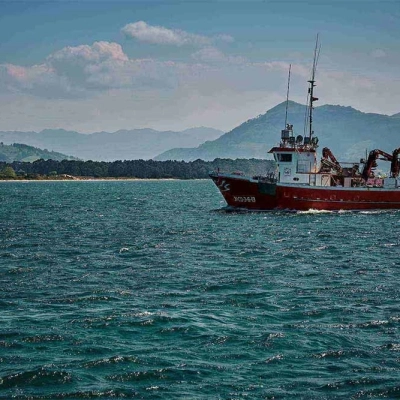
[148,290]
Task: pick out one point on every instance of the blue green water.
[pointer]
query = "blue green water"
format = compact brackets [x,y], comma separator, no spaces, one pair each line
[143,289]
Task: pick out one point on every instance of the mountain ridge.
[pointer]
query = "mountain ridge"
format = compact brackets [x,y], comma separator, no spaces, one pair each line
[348,132]
[144,143]
[344,129]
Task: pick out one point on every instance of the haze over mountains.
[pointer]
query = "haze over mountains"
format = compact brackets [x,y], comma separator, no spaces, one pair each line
[349,133]
[346,131]
[104,146]
[25,153]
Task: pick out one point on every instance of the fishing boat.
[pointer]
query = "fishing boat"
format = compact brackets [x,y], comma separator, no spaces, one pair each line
[302,182]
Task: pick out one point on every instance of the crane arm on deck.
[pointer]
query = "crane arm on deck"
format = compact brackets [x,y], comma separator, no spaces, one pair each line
[395,166]
[371,162]
[328,160]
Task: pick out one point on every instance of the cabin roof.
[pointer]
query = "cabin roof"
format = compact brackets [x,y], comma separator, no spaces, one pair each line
[292,150]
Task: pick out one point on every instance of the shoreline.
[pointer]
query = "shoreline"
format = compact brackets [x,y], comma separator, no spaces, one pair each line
[101,179]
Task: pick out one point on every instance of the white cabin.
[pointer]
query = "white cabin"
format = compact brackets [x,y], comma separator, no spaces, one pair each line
[295,158]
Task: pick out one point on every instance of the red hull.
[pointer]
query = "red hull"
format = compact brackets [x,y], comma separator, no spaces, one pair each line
[244,193]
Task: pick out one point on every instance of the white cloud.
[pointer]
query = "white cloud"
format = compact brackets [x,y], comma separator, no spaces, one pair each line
[224,38]
[159,35]
[89,66]
[39,80]
[83,70]
[69,72]
[214,56]
[98,52]
[25,76]
[96,87]
[378,53]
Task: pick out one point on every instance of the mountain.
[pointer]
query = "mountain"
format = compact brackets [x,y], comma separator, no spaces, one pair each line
[105,146]
[346,131]
[22,152]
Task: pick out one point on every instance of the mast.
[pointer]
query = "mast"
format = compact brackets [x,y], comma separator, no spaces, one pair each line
[287,95]
[311,88]
[287,131]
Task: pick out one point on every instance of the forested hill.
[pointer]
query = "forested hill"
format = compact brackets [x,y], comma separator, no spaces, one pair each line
[22,152]
[346,131]
[140,169]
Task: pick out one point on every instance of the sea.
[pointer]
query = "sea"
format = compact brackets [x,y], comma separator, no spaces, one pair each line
[151,290]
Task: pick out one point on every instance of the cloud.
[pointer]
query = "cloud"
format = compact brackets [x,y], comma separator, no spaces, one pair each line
[83,70]
[98,52]
[24,75]
[90,67]
[39,80]
[159,35]
[213,55]
[378,53]
[77,85]
[224,38]
[87,70]
[69,72]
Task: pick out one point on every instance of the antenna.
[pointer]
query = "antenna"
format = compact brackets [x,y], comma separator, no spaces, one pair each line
[287,95]
[312,85]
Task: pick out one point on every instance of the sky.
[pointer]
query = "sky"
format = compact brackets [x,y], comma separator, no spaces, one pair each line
[106,65]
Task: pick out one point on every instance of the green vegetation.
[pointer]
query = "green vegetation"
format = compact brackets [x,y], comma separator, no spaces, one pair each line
[7,172]
[141,169]
[23,152]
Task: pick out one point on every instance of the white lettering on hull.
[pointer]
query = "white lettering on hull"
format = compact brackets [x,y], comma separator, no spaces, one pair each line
[244,199]
[224,186]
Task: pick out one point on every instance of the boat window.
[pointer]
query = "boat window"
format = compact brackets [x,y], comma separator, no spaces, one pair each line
[285,157]
[303,166]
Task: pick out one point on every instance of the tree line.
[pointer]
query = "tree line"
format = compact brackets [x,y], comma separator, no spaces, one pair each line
[141,169]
